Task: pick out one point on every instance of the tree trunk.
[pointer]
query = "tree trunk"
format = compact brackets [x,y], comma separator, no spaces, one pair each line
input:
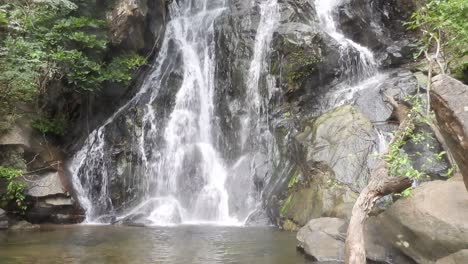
[380,184]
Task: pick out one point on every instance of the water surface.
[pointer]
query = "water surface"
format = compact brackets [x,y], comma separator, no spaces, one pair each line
[119,244]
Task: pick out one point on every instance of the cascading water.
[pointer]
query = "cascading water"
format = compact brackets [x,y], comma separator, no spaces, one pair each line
[177,165]
[256,140]
[357,61]
[179,173]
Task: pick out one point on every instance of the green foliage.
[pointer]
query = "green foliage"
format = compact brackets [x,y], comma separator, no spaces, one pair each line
[446,21]
[48,40]
[398,162]
[3,18]
[56,125]
[15,189]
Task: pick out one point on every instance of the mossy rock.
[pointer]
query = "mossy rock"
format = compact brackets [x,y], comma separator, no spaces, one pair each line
[316,195]
[345,140]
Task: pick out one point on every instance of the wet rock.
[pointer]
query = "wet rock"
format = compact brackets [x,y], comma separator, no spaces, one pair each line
[316,194]
[3,219]
[344,140]
[379,26]
[306,59]
[430,224]
[461,257]
[426,154]
[258,218]
[449,99]
[372,101]
[137,24]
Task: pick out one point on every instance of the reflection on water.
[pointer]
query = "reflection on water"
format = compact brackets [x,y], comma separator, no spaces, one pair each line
[185,244]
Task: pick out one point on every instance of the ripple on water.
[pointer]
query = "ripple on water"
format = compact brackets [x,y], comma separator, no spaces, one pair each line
[121,244]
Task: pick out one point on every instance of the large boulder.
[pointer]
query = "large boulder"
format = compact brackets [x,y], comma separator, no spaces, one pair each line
[343,139]
[331,156]
[449,99]
[430,224]
[313,195]
[323,239]
[461,257]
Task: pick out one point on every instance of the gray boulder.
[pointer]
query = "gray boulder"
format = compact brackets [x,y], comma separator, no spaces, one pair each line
[461,257]
[323,239]
[431,224]
[344,139]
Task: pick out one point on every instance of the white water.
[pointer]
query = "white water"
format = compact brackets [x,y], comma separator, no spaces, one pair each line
[187,135]
[357,61]
[184,179]
[256,139]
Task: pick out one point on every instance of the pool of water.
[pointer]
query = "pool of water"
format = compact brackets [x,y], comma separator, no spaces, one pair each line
[119,244]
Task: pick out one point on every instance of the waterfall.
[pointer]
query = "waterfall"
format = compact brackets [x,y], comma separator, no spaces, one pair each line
[357,61]
[177,165]
[256,140]
[179,172]
[359,68]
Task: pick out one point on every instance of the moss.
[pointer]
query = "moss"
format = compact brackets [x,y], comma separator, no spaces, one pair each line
[301,61]
[294,179]
[289,225]
[285,207]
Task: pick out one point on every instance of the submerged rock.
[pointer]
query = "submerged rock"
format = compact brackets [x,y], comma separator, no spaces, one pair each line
[449,99]
[430,224]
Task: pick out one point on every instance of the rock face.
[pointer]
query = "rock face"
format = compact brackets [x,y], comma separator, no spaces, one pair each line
[449,99]
[137,24]
[50,201]
[431,224]
[343,139]
[331,167]
[315,195]
[48,194]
